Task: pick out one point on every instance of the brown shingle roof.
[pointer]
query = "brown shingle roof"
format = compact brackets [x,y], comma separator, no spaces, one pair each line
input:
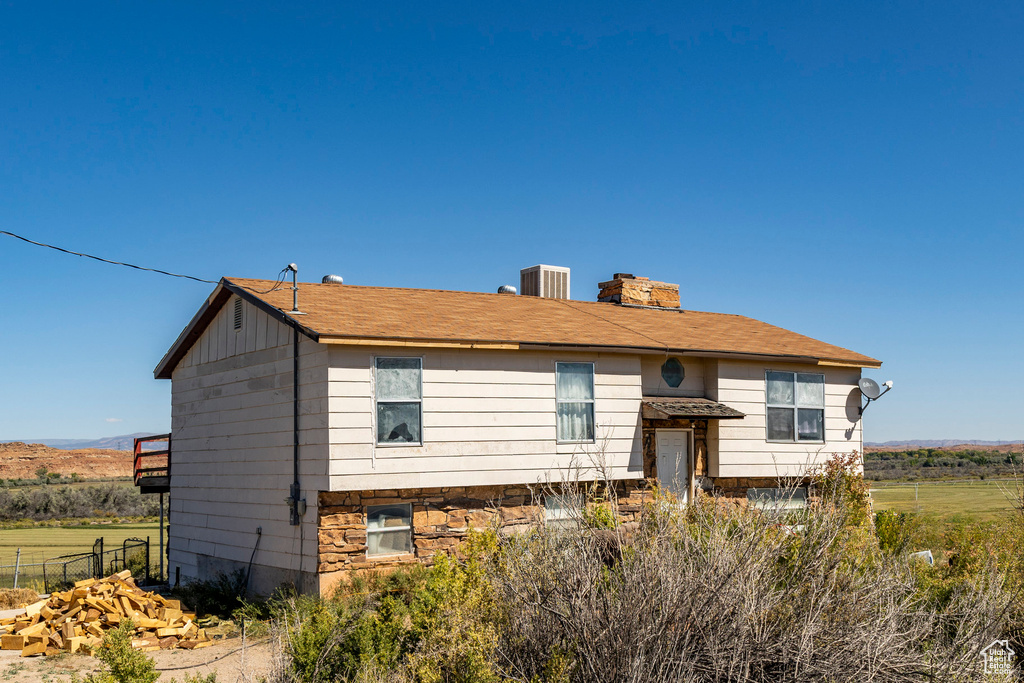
[427,315]
[665,407]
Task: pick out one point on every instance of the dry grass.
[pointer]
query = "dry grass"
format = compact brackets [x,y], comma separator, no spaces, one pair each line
[12,598]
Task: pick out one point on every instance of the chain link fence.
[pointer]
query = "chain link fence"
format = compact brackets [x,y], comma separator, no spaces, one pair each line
[22,575]
[133,554]
[58,573]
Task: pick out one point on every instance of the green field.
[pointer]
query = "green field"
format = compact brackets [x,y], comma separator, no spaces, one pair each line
[981,500]
[41,543]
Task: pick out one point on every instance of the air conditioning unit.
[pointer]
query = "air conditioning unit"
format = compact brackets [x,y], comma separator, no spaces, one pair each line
[551,282]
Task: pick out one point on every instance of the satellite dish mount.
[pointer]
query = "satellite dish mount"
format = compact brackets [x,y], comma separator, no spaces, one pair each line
[871,391]
[294,270]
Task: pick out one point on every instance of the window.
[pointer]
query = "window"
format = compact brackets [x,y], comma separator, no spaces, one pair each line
[399,401]
[796,406]
[778,500]
[388,529]
[673,373]
[574,402]
[558,511]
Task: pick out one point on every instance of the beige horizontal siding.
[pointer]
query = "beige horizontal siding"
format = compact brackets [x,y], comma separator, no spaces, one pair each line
[654,385]
[739,448]
[359,482]
[430,450]
[363,420]
[537,462]
[491,412]
[232,451]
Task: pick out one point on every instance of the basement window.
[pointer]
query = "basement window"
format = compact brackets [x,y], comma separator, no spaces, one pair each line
[399,386]
[777,499]
[388,529]
[558,511]
[574,402]
[795,409]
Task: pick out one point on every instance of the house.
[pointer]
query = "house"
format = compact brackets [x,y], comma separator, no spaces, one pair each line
[335,427]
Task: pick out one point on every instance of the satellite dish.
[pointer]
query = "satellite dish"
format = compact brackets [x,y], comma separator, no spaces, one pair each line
[869,388]
[871,391]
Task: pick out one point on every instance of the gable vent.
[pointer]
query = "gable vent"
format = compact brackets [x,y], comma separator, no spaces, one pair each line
[238,313]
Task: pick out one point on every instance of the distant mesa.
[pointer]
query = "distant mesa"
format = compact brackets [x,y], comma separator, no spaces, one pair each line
[125,442]
[27,460]
[104,458]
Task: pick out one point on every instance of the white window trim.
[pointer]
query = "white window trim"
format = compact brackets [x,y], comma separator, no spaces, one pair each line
[795,407]
[377,400]
[389,529]
[592,401]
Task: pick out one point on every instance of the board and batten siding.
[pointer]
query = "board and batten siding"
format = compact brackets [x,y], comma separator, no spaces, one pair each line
[488,418]
[232,417]
[739,448]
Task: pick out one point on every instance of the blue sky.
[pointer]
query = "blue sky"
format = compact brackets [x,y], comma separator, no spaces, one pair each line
[851,172]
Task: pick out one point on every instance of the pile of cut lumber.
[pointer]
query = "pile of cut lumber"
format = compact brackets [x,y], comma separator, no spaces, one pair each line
[78,618]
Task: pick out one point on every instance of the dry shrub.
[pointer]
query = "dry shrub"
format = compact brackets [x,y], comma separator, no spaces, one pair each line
[713,592]
[12,598]
[708,592]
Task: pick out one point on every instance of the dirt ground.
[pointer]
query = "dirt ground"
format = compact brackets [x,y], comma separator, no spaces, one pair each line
[227,658]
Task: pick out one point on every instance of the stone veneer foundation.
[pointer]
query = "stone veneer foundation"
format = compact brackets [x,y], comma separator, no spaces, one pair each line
[442,518]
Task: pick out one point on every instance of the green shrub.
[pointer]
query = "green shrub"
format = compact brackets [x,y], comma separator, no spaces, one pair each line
[121,662]
[67,502]
[332,640]
[435,624]
[458,619]
[895,530]
[840,484]
[255,615]
[220,596]
[600,516]
[136,564]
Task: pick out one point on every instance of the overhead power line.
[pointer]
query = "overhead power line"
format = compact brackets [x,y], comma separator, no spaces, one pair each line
[280,276]
[104,260]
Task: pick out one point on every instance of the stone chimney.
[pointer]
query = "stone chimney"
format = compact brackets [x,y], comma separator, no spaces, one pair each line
[625,289]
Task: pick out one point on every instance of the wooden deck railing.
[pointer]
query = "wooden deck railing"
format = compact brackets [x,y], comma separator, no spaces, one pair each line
[152,468]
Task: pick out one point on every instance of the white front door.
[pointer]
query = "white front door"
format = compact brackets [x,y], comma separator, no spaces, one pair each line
[674,461]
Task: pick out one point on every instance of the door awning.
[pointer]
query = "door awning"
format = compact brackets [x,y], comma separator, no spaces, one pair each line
[663,408]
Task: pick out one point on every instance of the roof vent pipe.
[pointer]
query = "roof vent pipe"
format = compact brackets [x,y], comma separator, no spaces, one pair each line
[506,289]
[333,280]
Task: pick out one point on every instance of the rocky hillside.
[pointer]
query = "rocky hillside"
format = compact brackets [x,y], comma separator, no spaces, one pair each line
[22,461]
